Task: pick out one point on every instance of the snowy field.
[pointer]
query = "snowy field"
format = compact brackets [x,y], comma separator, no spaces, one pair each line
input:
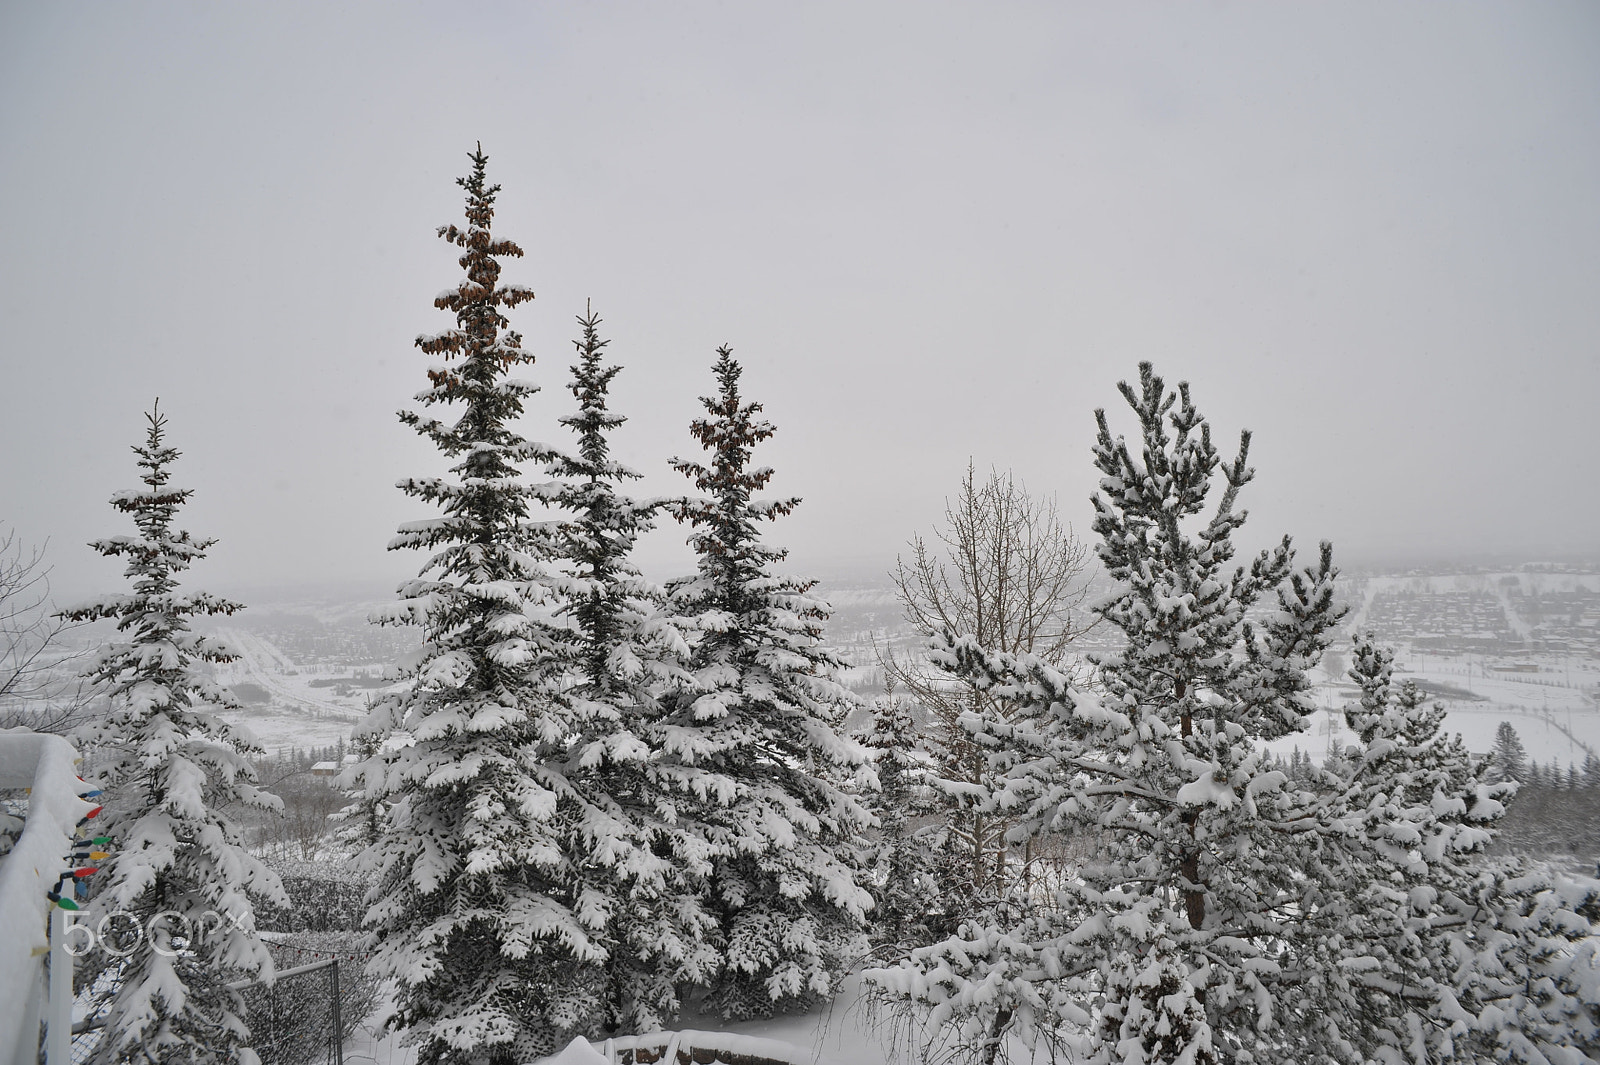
[1555,722]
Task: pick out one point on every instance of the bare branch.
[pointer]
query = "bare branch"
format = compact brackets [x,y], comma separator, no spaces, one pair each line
[39,685]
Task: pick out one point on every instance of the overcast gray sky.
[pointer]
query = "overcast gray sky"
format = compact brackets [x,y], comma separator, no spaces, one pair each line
[1369,232]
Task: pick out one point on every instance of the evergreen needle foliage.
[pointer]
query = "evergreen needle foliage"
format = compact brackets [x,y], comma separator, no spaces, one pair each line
[904,858]
[1510,756]
[595,795]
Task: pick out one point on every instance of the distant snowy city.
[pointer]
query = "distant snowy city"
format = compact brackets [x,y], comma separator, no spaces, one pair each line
[1519,645]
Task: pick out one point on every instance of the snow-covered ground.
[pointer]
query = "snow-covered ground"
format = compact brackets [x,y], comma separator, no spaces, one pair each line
[371,1046]
[1556,710]
[842,1033]
[1527,583]
[1545,737]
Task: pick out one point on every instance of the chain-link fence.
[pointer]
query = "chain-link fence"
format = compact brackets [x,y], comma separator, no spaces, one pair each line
[86,1030]
[302,1017]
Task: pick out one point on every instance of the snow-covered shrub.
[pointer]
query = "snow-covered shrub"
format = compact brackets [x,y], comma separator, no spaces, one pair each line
[321,897]
[901,855]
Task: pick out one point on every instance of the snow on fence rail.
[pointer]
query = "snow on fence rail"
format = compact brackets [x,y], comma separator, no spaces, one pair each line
[43,765]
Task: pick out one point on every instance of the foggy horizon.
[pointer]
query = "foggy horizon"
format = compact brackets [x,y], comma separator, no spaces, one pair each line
[1367,234]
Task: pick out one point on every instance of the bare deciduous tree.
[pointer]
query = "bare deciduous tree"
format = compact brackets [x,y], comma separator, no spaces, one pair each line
[1006,570]
[1015,577]
[39,686]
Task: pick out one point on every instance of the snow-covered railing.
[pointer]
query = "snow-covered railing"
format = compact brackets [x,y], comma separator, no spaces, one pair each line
[683,1048]
[28,872]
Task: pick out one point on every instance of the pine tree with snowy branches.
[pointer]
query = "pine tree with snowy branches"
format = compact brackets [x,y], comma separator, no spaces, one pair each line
[1237,914]
[1435,951]
[172,769]
[1165,948]
[638,864]
[756,751]
[475,904]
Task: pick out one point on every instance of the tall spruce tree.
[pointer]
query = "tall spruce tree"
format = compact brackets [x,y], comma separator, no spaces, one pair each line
[755,751]
[637,862]
[475,901]
[172,769]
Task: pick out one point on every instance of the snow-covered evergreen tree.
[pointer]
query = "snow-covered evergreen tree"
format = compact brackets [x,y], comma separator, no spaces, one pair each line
[901,857]
[1238,915]
[1167,947]
[637,863]
[1510,756]
[476,903]
[755,751]
[1435,951]
[1401,816]
[171,769]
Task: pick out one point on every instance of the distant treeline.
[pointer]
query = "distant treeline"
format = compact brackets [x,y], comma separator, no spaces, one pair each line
[360,680]
[1556,809]
[1555,812]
